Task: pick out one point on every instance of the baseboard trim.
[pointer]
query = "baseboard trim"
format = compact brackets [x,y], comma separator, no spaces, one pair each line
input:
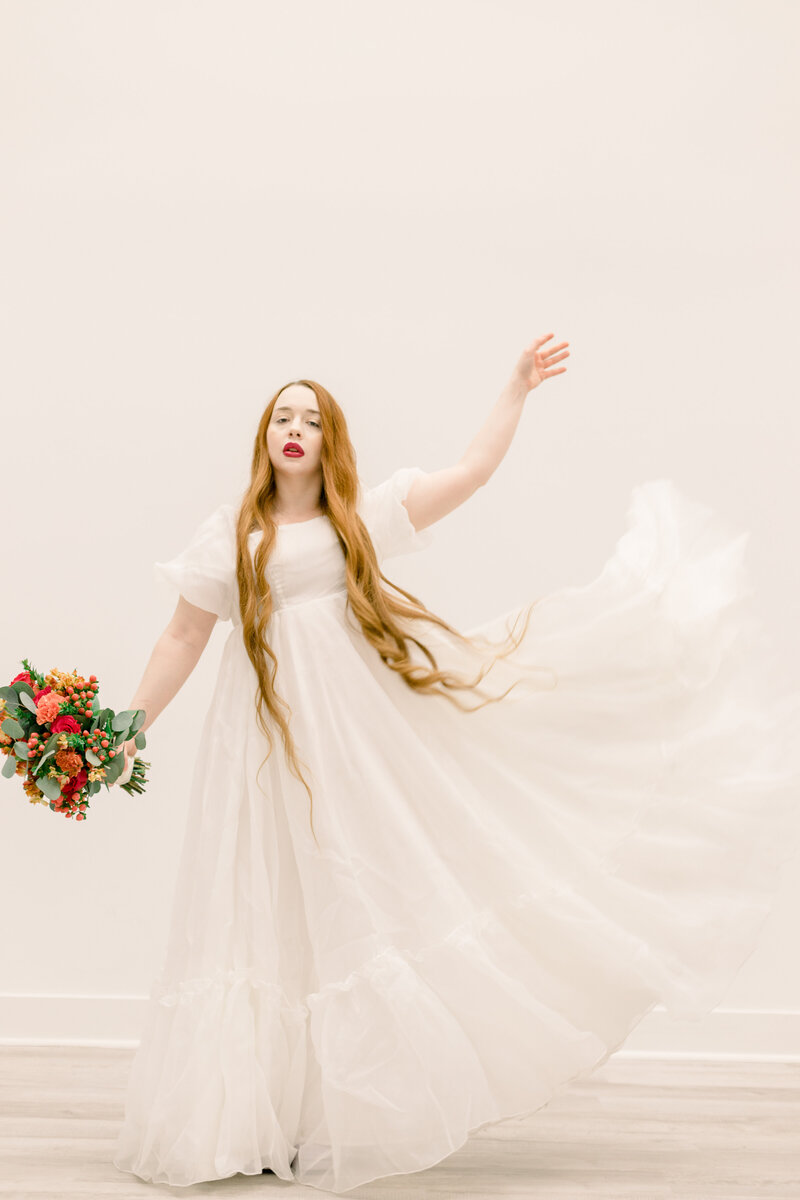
[732,1034]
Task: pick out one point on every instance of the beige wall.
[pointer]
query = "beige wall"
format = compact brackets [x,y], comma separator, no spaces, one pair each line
[201,201]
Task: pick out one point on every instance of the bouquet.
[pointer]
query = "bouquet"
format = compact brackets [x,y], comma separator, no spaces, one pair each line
[51,735]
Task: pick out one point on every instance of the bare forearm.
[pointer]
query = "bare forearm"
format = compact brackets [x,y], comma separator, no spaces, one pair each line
[171,663]
[487,449]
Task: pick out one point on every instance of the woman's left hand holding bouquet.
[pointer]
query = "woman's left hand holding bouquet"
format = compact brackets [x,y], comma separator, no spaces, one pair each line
[129,749]
[65,746]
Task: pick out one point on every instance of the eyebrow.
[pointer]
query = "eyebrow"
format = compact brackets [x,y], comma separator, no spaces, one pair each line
[285,408]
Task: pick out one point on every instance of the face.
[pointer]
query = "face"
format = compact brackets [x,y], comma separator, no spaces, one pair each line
[295,419]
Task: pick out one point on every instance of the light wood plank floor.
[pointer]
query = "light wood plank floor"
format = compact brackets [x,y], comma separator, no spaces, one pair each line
[635,1128]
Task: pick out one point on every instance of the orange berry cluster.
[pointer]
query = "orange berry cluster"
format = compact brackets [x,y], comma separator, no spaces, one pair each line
[79,692]
[99,743]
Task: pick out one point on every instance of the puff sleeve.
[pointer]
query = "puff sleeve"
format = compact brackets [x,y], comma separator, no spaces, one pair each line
[205,571]
[386,518]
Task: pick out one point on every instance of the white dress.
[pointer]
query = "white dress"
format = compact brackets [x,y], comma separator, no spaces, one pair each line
[498,897]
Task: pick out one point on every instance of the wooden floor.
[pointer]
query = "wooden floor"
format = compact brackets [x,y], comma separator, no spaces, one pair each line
[642,1128]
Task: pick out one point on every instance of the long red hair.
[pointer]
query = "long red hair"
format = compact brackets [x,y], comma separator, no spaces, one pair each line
[383,616]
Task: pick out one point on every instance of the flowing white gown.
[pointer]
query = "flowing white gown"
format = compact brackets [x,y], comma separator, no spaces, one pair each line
[498,897]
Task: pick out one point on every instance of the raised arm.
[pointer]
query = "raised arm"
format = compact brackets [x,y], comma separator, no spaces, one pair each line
[434,495]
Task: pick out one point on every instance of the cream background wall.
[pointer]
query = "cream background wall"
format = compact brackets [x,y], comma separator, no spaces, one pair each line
[202,201]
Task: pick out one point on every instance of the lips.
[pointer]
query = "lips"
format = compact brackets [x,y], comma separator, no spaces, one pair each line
[292,450]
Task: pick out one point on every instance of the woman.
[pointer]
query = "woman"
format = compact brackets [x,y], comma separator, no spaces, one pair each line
[429,878]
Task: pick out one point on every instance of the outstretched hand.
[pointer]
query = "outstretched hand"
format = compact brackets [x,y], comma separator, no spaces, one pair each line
[536,364]
[131,751]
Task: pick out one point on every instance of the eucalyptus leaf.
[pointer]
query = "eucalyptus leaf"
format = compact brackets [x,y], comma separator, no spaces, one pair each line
[50,748]
[21,750]
[9,766]
[140,740]
[12,727]
[114,769]
[92,758]
[28,702]
[49,787]
[10,695]
[138,720]
[123,719]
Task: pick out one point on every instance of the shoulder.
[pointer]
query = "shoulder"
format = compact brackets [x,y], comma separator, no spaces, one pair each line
[386,517]
[391,491]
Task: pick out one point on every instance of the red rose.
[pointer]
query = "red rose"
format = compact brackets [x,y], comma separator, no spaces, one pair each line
[66,723]
[75,783]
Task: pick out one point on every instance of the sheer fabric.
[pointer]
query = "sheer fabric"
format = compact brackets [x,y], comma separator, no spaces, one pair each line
[498,897]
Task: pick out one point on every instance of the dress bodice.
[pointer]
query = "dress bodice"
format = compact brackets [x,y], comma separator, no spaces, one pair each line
[307,561]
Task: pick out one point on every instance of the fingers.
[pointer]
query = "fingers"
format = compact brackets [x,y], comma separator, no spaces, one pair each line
[537,342]
[127,770]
